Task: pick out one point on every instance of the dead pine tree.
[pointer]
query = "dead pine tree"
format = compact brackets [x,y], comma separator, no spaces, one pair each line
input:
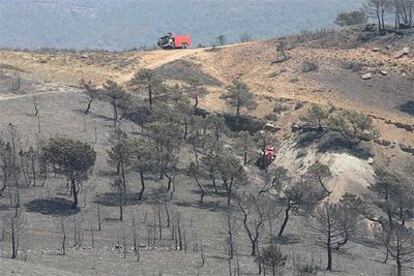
[167,213]
[14,228]
[334,227]
[135,239]
[202,260]
[118,187]
[293,200]
[194,172]
[36,114]
[230,231]
[63,241]
[159,216]
[124,241]
[253,217]
[178,232]
[99,217]
[230,226]
[399,243]
[92,236]
[92,93]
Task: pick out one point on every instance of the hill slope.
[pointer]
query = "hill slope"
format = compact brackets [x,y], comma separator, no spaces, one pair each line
[50,81]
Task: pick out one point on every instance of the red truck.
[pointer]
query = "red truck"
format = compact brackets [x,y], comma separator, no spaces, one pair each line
[267,156]
[174,41]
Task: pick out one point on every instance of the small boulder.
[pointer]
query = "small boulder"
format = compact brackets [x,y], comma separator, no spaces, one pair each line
[406,50]
[375,49]
[384,72]
[271,127]
[367,76]
[280,59]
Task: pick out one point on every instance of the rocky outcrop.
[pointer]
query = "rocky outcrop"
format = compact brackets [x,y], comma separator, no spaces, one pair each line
[350,174]
[383,142]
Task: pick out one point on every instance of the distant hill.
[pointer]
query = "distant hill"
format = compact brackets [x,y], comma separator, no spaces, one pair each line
[123,24]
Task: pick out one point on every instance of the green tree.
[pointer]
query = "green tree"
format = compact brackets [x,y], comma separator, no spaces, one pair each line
[354,126]
[393,204]
[117,97]
[245,145]
[209,164]
[144,159]
[196,91]
[230,171]
[71,158]
[6,164]
[238,96]
[320,173]
[138,113]
[119,155]
[351,18]
[217,124]
[184,112]
[146,79]
[195,172]
[167,137]
[294,198]
[221,39]
[317,116]
[272,258]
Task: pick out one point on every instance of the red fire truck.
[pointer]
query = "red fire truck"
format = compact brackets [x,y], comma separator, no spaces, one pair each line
[174,41]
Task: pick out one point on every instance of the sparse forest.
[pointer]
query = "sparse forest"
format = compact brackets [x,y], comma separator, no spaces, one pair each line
[289,156]
[159,149]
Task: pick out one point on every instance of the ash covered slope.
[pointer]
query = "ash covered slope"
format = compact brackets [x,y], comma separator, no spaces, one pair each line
[118,25]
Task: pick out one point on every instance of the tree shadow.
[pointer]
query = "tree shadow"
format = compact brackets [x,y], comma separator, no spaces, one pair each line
[112,199]
[98,116]
[407,107]
[286,239]
[209,191]
[333,141]
[52,207]
[4,207]
[212,206]
[307,138]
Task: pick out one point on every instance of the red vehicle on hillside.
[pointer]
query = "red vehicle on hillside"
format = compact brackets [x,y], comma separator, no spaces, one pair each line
[174,41]
[267,156]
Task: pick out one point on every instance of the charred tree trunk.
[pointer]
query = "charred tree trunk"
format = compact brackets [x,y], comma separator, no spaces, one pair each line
[169,181]
[214,185]
[141,192]
[150,100]
[329,248]
[88,108]
[285,221]
[14,238]
[74,193]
